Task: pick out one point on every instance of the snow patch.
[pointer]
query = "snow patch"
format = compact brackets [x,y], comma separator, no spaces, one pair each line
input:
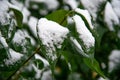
[78,47]
[110,17]
[118,34]
[52,36]
[92,6]
[116,6]
[84,34]
[86,14]
[26,14]
[42,59]
[14,57]
[3,5]
[13,6]
[3,41]
[32,25]
[47,75]
[4,17]
[72,3]
[114,59]
[38,72]
[20,36]
[19,6]
[51,4]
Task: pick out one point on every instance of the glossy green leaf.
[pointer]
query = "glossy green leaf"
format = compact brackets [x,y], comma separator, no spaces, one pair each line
[19,17]
[59,16]
[94,65]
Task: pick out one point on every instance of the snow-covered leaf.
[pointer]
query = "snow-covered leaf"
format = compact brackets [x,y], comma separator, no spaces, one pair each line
[86,16]
[4,17]
[23,42]
[51,36]
[11,61]
[18,15]
[110,17]
[93,6]
[86,39]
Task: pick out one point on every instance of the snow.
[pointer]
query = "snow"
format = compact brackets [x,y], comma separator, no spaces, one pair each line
[16,4]
[118,34]
[52,36]
[26,14]
[86,14]
[110,17]
[84,34]
[38,72]
[43,12]
[78,47]
[42,59]
[92,6]
[114,59]
[3,41]
[32,25]
[4,17]
[72,3]
[116,6]
[51,4]
[19,6]
[20,38]
[14,57]
[13,6]
[4,6]
[43,74]
[47,75]
[101,78]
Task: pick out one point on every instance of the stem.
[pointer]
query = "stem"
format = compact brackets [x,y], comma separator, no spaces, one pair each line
[10,77]
[68,14]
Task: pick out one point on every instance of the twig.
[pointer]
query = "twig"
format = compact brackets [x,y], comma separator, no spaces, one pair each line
[10,77]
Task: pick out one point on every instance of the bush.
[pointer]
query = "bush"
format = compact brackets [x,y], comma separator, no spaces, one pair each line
[59,39]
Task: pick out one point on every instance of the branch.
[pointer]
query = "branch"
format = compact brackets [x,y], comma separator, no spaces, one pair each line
[10,77]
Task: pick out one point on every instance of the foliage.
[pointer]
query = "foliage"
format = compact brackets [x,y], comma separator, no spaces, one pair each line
[24,55]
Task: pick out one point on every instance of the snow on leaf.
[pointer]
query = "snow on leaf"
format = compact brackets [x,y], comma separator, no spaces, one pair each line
[51,4]
[26,14]
[114,59]
[20,37]
[42,59]
[32,25]
[86,14]
[4,17]
[116,6]
[78,47]
[92,6]
[84,34]
[52,36]
[23,42]
[13,58]
[110,17]
[3,41]
[72,3]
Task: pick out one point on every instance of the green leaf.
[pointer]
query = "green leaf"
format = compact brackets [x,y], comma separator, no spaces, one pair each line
[94,65]
[19,17]
[59,16]
[7,31]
